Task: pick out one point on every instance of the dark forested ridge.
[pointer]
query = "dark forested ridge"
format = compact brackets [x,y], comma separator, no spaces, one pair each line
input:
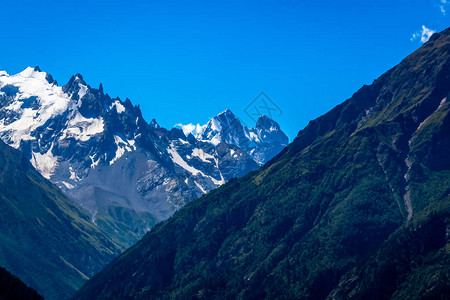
[356,207]
[45,239]
[11,288]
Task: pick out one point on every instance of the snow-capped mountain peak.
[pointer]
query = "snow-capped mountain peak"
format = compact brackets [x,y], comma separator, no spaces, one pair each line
[266,123]
[103,154]
[28,100]
[36,73]
[226,127]
[76,88]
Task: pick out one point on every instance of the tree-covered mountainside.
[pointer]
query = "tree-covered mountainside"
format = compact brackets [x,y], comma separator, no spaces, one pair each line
[12,287]
[45,239]
[357,206]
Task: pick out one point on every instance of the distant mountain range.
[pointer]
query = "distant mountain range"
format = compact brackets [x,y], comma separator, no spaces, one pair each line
[356,207]
[262,142]
[129,174]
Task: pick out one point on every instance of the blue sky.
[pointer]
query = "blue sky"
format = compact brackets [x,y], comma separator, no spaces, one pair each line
[185,61]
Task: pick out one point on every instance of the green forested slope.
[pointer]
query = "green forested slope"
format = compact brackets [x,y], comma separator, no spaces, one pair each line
[12,288]
[45,239]
[356,207]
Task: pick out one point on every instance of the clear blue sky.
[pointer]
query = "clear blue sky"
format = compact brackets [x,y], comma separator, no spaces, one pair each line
[185,61]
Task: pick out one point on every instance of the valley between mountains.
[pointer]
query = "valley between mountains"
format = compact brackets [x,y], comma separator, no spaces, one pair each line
[356,207]
[115,172]
[129,174]
[97,203]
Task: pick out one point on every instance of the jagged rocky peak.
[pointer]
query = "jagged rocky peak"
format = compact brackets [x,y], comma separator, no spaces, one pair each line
[266,123]
[269,131]
[225,127]
[224,120]
[261,142]
[154,124]
[226,116]
[76,88]
[92,102]
[176,133]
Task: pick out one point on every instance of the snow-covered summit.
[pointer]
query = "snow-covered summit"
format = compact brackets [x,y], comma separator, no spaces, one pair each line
[266,123]
[28,100]
[76,88]
[226,127]
[49,122]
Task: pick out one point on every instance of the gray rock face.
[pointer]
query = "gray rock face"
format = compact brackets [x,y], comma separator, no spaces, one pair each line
[101,152]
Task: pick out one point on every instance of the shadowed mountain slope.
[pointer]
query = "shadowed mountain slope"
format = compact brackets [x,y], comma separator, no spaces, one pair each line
[105,157]
[357,206]
[12,287]
[45,239]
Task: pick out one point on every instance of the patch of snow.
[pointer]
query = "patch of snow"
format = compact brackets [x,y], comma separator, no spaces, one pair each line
[215,140]
[82,91]
[45,163]
[82,128]
[253,136]
[119,107]
[222,180]
[132,143]
[176,158]
[202,155]
[122,147]
[67,185]
[234,154]
[94,163]
[119,153]
[200,187]
[30,72]
[73,175]
[52,101]
[215,125]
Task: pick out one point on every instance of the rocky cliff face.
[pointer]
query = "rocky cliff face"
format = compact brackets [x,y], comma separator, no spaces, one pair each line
[101,152]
